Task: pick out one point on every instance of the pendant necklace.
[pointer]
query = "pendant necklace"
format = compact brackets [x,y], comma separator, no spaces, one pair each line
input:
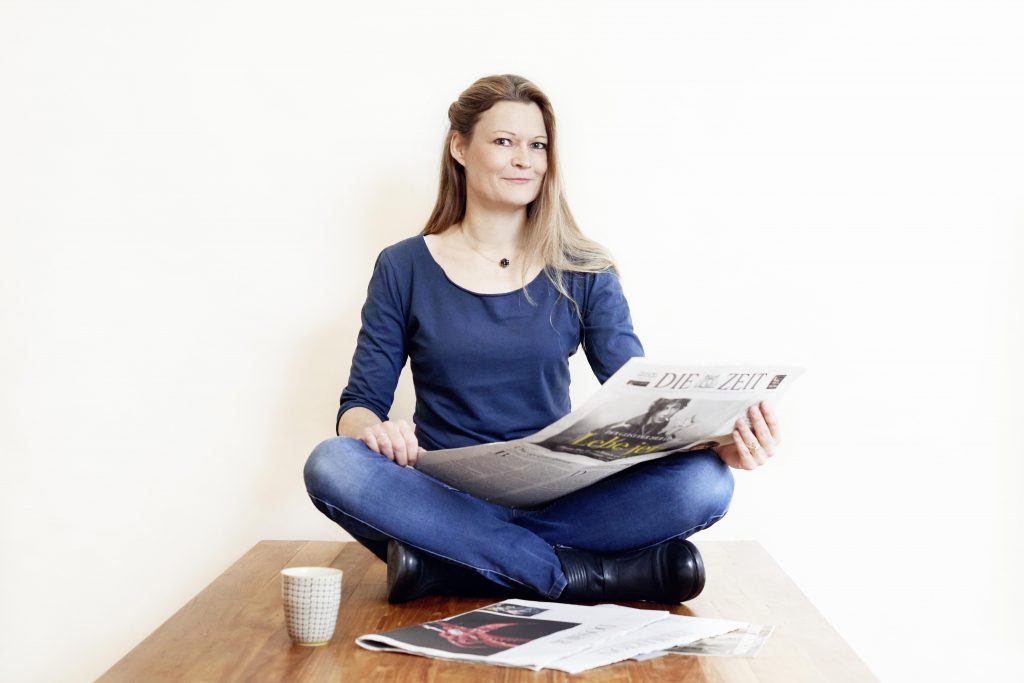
[504,263]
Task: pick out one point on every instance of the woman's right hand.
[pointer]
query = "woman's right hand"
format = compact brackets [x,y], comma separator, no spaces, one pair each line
[395,440]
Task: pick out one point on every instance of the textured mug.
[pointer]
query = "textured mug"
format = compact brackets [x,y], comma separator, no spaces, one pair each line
[311,598]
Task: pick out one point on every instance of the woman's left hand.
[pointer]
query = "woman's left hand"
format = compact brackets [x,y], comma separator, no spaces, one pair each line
[754,439]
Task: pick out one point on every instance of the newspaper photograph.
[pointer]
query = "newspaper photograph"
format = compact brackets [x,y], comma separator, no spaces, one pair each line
[515,633]
[644,411]
[538,635]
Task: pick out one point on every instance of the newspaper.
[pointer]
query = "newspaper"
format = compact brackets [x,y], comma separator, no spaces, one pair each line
[671,631]
[537,635]
[743,642]
[644,411]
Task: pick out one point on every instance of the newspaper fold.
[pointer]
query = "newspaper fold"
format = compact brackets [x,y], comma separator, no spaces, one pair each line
[644,411]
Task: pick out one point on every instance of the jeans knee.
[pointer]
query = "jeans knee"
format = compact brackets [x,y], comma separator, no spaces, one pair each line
[710,485]
[721,484]
[329,462]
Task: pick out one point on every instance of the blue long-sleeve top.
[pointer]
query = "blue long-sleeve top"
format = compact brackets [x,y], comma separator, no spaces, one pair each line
[486,367]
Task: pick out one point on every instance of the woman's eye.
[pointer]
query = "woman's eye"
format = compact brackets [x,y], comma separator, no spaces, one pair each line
[543,145]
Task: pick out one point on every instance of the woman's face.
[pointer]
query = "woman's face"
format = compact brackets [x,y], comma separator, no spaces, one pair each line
[509,142]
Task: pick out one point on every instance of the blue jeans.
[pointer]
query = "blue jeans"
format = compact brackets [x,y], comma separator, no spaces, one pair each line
[375,500]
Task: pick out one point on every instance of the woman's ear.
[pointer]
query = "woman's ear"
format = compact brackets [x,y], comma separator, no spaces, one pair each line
[455,148]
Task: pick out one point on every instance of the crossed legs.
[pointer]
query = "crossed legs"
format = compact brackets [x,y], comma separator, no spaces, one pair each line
[375,501]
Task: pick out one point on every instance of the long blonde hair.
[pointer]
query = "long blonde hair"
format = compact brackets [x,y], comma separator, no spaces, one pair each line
[551,231]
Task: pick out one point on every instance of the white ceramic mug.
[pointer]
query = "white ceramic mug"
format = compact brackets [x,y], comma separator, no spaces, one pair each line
[311,598]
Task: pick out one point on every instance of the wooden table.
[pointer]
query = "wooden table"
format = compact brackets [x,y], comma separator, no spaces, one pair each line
[234,629]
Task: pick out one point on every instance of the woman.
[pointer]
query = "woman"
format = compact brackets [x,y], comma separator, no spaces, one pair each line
[488,303]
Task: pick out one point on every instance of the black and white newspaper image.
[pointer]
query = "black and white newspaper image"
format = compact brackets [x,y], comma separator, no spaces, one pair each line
[644,411]
[637,425]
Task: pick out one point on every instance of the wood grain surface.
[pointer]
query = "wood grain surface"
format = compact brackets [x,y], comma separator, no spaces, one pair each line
[234,629]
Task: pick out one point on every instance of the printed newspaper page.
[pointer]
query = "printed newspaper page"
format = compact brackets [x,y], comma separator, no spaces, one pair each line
[537,635]
[517,633]
[672,630]
[743,642]
[644,411]
[746,641]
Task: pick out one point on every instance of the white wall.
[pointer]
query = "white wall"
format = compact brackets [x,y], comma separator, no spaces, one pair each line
[193,194]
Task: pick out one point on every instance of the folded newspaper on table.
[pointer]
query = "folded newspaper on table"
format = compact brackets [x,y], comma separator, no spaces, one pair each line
[644,411]
[548,635]
[743,642]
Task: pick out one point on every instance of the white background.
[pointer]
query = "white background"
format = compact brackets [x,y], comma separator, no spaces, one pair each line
[193,195]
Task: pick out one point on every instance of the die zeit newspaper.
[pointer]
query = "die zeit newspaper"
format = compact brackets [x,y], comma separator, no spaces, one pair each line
[644,411]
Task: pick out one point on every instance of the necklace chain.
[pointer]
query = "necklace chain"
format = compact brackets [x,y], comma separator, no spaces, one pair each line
[504,262]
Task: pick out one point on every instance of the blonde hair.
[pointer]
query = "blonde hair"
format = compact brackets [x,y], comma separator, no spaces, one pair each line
[551,231]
